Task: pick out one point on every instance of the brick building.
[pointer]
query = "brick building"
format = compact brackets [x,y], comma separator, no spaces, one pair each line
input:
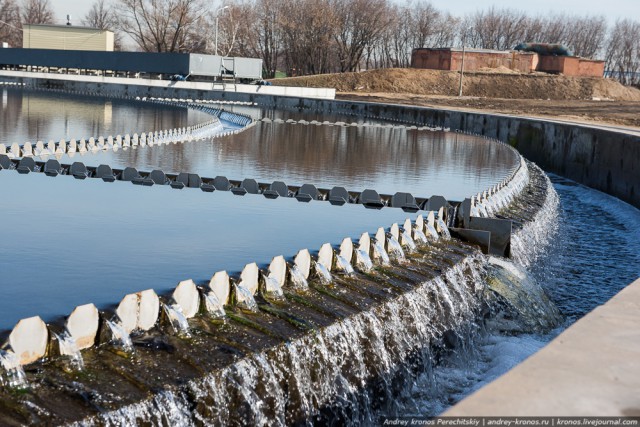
[525,62]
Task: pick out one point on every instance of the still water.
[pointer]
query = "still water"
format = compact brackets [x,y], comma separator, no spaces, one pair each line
[388,160]
[28,115]
[69,242]
[424,163]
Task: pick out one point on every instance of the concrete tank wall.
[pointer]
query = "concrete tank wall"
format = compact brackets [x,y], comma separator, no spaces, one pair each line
[602,158]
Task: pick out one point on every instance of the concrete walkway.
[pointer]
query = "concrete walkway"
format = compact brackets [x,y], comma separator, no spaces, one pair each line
[591,369]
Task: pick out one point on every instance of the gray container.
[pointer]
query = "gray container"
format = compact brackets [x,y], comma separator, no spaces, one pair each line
[205,65]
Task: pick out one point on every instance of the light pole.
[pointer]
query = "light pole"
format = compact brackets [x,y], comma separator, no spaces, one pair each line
[217,13]
[464,36]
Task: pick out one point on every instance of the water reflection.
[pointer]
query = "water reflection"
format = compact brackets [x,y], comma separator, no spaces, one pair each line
[28,115]
[385,159]
[388,160]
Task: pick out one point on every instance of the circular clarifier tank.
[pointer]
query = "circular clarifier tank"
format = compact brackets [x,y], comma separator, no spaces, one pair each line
[93,242]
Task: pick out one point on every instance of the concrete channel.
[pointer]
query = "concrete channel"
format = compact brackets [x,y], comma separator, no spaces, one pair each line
[601,158]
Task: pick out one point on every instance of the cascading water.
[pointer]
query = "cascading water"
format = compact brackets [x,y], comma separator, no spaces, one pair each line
[298,280]
[244,298]
[380,253]
[119,335]
[530,308]
[346,373]
[214,307]
[377,357]
[363,261]
[177,319]
[395,250]
[69,348]
[13,374]
[408,241]
[531,241]
[443,228]
[273,288]
[432,232]
[323,273]
[522,319]
[344,265]
[419,237]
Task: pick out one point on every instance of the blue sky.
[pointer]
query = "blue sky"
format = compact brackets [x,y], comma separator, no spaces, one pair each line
[612,9]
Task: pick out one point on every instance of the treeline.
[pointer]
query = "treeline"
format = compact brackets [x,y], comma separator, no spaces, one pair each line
[322,36]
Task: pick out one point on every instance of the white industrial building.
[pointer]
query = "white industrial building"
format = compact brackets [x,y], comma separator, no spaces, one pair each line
[66,37]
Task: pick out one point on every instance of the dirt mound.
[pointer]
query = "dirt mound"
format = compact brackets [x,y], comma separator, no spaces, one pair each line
[486,84]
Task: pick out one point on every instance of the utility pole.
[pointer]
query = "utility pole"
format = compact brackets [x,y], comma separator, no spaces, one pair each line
[464,36]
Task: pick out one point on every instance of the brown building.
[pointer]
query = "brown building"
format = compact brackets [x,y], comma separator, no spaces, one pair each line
[524,62]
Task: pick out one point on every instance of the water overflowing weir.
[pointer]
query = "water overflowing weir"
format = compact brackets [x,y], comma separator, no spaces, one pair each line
[333,337]
[333,350]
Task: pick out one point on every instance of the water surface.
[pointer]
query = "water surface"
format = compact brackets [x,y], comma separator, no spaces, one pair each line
[30,115]
[68,242]
[424,163]
[595,254]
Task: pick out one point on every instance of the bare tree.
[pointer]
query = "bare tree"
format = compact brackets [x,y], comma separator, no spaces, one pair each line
[261,36]
[307,29]
[10,26]
[358,24]
[37,12]
[231,28]
[415,24]
[623,52]
[493,28]
[161,25]
[320,36]
[586,35]
[103,16]
[432,27]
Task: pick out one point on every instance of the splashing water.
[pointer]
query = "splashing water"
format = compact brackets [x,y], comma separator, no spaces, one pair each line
[350,372]
[214,307]
[323,273]
[419,237]
[408,241]
[326,373]
[363,261]
[177,319]
[13,375]
[120,336]
[344,265]
[443,229]
[531,242]
[273,288]
[432,232]
[346,373]
[513,286]
[395,250]
[298,280]
[68,347]
[483,210]
[244,299]
[380,253]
